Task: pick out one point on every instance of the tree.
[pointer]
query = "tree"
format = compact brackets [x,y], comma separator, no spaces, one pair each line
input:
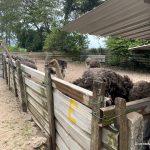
[9,17]
[17,16]
[74,8]
[72,43]
[118,48]
[30,39]
[40,13]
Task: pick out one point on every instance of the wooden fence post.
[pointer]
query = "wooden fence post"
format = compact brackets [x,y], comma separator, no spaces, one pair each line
[50,103]
[21,86]
[5,69]
[13,75]
[121,123]
[3,66]
[97,103]
[9,73]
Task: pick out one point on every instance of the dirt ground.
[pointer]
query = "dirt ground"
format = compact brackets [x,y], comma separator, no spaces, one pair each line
[76,69]
[17,130]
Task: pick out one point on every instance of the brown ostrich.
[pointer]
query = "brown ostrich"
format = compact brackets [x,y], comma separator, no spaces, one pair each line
[26,61]
[95,64]
[116,85]
[140,90]
[56,66]
[29,64]
[91,63]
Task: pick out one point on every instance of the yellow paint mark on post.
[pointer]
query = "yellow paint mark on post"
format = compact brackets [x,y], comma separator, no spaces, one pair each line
[112,141]
[71,110]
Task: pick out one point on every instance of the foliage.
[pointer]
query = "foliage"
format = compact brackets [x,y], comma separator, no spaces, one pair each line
[39,14]
[9,17]
[72,43]
[78,7]
[16,49]
[27,15]
[30,39]
[29,21]
[118,48]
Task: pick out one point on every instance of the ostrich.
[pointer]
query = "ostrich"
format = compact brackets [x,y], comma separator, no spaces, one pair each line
[90,63]
[140,90]
[116,85]
[95,64]
[26,61]
[54,66]
[87,62]
[29,64]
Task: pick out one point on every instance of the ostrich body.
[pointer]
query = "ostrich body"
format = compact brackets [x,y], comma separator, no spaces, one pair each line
[116,85]
[140,90]
[26,61]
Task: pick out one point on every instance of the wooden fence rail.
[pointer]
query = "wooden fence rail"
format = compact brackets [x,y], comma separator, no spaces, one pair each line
[72,118]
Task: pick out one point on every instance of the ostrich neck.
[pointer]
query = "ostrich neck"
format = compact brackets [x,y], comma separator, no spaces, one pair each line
[58,70]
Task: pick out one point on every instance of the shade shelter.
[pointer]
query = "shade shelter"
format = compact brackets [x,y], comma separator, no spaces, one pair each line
[120,18]
[141,48]
[141,55]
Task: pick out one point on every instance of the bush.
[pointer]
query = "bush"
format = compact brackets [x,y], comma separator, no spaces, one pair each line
[16,49]
[118,49]
[72,43]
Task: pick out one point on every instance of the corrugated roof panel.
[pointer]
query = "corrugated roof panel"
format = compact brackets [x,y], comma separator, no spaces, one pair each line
[126,18]
[144,47]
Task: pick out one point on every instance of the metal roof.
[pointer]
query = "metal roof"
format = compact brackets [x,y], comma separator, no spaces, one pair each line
[143,47]
[121,18]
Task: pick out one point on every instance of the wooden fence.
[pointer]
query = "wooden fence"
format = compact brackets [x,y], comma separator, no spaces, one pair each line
[1,65]
[38,56]
[72,118]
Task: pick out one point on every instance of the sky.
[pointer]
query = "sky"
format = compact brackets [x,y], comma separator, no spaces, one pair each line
[96,42]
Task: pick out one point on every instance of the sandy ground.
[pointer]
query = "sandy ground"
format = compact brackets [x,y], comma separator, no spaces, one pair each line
[76,69]
[17,131]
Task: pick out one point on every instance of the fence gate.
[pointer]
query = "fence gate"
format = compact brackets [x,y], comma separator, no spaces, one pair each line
[1,66]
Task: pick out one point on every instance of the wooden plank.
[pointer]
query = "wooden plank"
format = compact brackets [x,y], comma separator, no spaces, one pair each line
[68,140]
[57,147]
[142,106]
[39,119]
[121,123]
[76,112]
[17,83]
[39,109]
[38,98]
[60,143]
[98,101]
[21,85]
[110,138]
[73,91]
[16,76]
[36,87]
[34,73]
[50,104]
[73,130]
[78,93]
[17,87]
[19,96]
[5,69]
